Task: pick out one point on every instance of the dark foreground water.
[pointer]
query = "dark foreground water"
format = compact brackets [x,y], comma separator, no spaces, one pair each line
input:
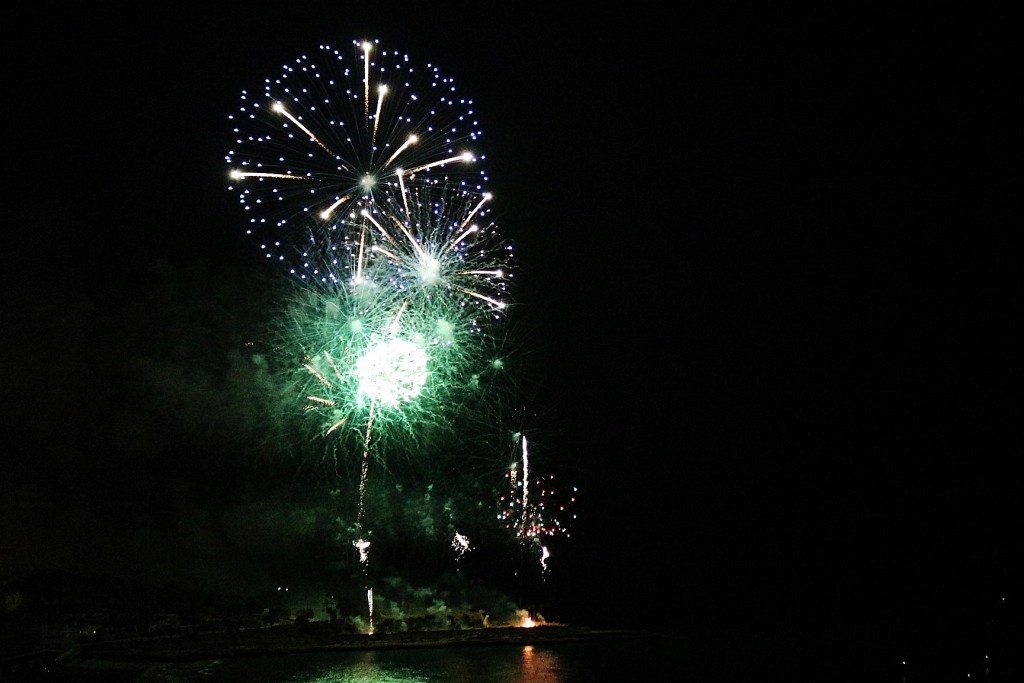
[771,657]
[617,660]
[660,658]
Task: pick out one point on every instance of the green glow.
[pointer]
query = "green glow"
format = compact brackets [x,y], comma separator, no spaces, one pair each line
[445,331]
[392,372]
[419,367]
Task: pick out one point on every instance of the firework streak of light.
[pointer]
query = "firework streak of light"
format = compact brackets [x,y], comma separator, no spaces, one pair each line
[533,507]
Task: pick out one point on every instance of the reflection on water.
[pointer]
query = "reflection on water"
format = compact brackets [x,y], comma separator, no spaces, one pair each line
[365,669]
[542,663]
[539,666]
[500,664]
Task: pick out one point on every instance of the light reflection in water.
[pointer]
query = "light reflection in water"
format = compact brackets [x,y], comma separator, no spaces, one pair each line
[534,666]
[365,670]
[589,661]
[539,666]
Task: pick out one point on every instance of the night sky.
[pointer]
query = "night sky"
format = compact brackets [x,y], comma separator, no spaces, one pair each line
[764,260]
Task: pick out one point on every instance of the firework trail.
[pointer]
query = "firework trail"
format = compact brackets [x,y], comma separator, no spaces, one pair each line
[533,507]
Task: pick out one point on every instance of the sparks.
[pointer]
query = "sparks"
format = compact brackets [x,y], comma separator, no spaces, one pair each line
[302,150]
[345,166]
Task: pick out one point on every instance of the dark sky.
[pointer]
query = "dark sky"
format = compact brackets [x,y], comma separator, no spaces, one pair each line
[766,259]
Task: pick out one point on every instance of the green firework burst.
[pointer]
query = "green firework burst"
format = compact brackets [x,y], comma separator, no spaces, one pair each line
[389,355]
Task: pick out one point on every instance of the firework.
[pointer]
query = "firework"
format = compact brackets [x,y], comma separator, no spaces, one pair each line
[533,507]
[340,131]
[361,172]
[408,333]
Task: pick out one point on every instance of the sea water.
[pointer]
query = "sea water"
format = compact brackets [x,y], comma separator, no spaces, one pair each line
[652,657]
[648,659]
